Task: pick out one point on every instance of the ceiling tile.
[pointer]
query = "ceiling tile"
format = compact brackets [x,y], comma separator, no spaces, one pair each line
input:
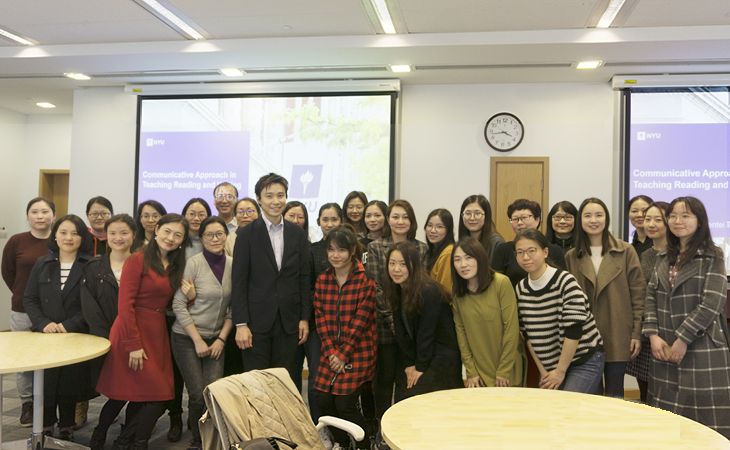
[663,13]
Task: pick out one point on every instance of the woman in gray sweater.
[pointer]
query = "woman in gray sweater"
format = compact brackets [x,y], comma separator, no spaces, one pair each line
[201,307]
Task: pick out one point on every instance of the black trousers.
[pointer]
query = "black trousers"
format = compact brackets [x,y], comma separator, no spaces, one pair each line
[141,420]
[175,405]
[385,369]
[344,407]
[274,348]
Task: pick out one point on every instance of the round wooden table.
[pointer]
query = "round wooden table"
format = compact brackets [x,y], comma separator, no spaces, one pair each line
[523,418]
[25,351]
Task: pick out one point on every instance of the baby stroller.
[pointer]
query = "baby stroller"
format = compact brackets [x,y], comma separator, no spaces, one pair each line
[263,404]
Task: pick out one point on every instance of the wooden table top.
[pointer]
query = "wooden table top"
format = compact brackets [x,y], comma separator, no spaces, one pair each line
[523,418]
[24,351]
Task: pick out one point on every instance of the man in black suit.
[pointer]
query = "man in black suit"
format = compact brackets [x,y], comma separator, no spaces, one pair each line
[270,299]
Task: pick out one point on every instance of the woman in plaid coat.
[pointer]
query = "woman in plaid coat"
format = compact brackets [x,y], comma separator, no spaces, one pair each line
[684,319]
[344,308]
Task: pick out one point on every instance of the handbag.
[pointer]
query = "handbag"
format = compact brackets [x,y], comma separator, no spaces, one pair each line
[269,443]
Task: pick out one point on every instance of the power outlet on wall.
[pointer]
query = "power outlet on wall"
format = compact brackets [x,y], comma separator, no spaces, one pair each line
[3,233]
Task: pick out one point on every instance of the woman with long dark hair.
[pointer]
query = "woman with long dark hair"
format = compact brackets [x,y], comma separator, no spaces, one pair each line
[439,230]
[344,305]
[475,220]
[637,208]
[296,212]
[55,307]
[247,210]
[98,211]
[148,213]
[428,350]
[375,212]
[99,299]
[354,209]
[195,211]
[609,273]
[138,367]
[485,314]
[19,256]
[685,322]
[560,225]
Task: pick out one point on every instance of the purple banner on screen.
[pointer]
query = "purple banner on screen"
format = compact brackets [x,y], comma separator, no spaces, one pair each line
[676,160]
[177,166]
[305,181]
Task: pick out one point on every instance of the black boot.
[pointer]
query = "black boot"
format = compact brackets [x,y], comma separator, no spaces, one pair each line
[142,443]
[175,433]
[98,439]
[122,443]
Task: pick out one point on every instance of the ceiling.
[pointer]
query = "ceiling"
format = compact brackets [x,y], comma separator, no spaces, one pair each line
[118,43]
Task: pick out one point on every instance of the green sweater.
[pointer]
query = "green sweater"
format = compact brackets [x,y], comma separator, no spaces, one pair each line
[489,336]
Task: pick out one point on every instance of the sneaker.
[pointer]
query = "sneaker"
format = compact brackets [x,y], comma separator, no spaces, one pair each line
[66,435]
[195,444]
[337,446]
[326,437]
[174,434]
[82,410]
[26,415]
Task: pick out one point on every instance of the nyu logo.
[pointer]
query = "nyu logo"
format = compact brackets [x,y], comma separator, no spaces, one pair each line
[152,142]
[642,135]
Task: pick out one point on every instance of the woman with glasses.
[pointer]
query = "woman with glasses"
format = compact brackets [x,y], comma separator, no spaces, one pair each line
[440,235]
[609,272]
[637,208]
[195,211]
[556,321]
[296,212]
[203,322]
[685,322]
[476,221]
[138,367]
[20,253]
[354,208]
[148,213]
[247,210]
[485,314]
[561,225]
[98,211]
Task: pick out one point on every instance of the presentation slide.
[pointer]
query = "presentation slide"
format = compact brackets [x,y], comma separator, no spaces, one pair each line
[679,147]
[326,146]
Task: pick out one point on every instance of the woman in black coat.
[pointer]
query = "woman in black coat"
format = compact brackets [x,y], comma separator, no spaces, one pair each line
[52,301]
[428,357]
[99,298]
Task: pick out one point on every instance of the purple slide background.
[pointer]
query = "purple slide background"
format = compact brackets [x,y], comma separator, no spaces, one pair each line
[696,147]
[223,153]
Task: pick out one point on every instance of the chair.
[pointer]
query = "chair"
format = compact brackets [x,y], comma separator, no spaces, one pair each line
[262,403]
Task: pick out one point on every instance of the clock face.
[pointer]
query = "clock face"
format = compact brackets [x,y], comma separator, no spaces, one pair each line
[504,132]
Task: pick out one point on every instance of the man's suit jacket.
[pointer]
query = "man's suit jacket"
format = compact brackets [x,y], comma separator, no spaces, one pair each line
[260,289]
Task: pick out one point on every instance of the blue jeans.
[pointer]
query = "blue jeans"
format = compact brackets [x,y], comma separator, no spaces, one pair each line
[197,373]
[614,379]
[585,378]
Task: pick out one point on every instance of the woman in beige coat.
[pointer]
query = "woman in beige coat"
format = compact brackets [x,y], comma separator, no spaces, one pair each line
[609,272]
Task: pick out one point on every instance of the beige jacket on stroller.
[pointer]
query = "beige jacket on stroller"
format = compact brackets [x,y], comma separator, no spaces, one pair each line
[259,403]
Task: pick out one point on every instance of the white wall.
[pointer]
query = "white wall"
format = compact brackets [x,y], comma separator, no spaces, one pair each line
[444,157]
[48,147]
[103,148]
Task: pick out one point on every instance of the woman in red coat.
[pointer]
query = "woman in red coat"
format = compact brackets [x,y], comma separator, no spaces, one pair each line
[344,308]
[138,367]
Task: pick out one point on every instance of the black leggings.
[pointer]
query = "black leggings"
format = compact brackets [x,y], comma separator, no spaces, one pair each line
[109,412]
[344,407]
[385,369]
[141,419]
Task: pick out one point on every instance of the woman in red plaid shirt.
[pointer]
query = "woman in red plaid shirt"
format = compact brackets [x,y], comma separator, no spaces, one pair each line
[344,308]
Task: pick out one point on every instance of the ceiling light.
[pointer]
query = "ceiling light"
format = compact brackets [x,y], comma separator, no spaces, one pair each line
[232,72]
[588,64]
[170,18]
[400,68]
[46,105]
[381,9]
[611,11]
[78,76]
[14,37]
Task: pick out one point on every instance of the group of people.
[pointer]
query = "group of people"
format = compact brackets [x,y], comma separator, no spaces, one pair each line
[378,315]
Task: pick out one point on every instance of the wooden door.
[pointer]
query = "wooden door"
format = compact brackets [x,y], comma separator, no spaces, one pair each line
[54,186]
[512,178]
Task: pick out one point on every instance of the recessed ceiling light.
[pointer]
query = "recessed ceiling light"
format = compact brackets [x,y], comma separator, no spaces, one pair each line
[15,37]
[78,76]
[232,72]
[588,64]
[169,17]
[611,11]
[400,68]
[286,27]
[46,105]
[381,9]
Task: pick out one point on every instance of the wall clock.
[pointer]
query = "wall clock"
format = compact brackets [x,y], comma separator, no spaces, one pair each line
[504,132]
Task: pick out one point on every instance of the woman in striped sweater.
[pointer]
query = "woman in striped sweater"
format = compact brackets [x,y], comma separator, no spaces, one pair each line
[560,330]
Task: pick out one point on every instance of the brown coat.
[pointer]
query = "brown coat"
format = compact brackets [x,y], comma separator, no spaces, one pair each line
[616,296]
